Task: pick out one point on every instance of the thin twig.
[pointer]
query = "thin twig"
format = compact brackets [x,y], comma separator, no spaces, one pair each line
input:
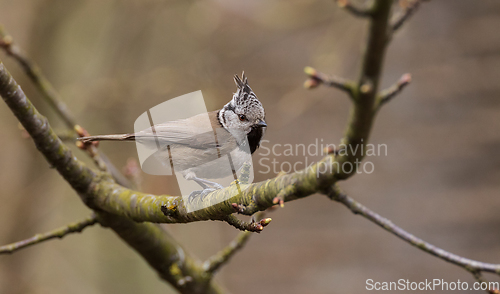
[405,14]
[67,136]
[316,78]
[357,11]
[53,98]
[389,93]
[75,227]
[253,226]
[45,88]
[35,74]
[358,208]
[223,256]
[212,264]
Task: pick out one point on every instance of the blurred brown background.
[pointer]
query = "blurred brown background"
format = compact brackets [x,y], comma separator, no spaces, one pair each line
[112,60]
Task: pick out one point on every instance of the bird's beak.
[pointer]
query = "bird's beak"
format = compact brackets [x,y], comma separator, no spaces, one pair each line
[261,124]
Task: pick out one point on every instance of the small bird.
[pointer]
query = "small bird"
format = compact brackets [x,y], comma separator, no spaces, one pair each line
[192,149]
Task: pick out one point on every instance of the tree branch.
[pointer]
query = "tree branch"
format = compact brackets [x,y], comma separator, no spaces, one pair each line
[75,227]
[223,256]
[252,226]
[35,74]
[405,14]
[162,252]
[47,142]
[357,208]
[212,264]
[55,101]
[362,114]
[386,95]
[316,78]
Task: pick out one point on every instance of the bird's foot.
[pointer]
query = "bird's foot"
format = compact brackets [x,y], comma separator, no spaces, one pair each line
[217,186]
[206,183]
[200,193]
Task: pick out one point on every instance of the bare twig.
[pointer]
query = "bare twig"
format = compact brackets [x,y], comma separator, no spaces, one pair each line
[75,227]
[35,74]
[253,226]
[223,256]
[212,264]
[407,11]
[358,208]
[67,136]
[91,150]
[357,11]
[386,95]
[55,101]
[316,78]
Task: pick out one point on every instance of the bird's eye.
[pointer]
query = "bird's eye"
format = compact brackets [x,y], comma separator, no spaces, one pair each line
[242,117]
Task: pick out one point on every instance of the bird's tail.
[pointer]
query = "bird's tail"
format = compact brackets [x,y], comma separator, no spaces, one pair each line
[123,137]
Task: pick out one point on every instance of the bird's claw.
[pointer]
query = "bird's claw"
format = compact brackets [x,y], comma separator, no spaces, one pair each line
[200,193]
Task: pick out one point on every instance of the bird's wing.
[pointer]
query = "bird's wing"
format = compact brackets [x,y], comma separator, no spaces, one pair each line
[196,132]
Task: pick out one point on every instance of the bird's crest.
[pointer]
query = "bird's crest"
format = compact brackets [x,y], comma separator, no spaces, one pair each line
[244,92]
[241,83]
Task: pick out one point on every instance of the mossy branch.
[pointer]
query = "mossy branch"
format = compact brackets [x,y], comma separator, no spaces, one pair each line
[162,252]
